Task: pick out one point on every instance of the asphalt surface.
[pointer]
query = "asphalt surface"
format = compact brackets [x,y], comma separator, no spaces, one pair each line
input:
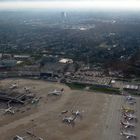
[101,115]
[112,116]
[138,115]
[112,120]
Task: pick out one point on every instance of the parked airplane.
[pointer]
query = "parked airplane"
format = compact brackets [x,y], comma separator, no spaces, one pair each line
[127,124]
[56,92]
[18,138]
[128,135]
[13,86]
[69,120]
[130,98]
[127,110]
[36,100]
[9,110]
[129,116]
[77,113]
[27,89]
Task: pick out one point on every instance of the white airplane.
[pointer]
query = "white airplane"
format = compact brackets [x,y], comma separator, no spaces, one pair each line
[128,135]
[13,86]
[56,92]
[77,113]
[130,97]
[18,138]
[27,89]
[9,110]
[69,120]
[127,124]
[129,116]
[36,100]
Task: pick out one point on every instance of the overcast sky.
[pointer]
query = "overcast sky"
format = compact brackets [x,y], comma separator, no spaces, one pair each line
[69,4]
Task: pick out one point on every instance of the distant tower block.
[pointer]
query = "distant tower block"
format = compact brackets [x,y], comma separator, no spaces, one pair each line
[63,17]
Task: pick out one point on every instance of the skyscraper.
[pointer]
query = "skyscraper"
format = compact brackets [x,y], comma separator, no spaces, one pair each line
[63,17]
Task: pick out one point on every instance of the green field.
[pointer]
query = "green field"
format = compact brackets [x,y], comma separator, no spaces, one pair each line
[96,88]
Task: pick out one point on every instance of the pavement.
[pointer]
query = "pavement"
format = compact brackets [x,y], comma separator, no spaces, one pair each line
[100,121]
[113,116]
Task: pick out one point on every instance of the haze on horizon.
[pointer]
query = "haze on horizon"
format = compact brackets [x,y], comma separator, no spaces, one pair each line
[71,4]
